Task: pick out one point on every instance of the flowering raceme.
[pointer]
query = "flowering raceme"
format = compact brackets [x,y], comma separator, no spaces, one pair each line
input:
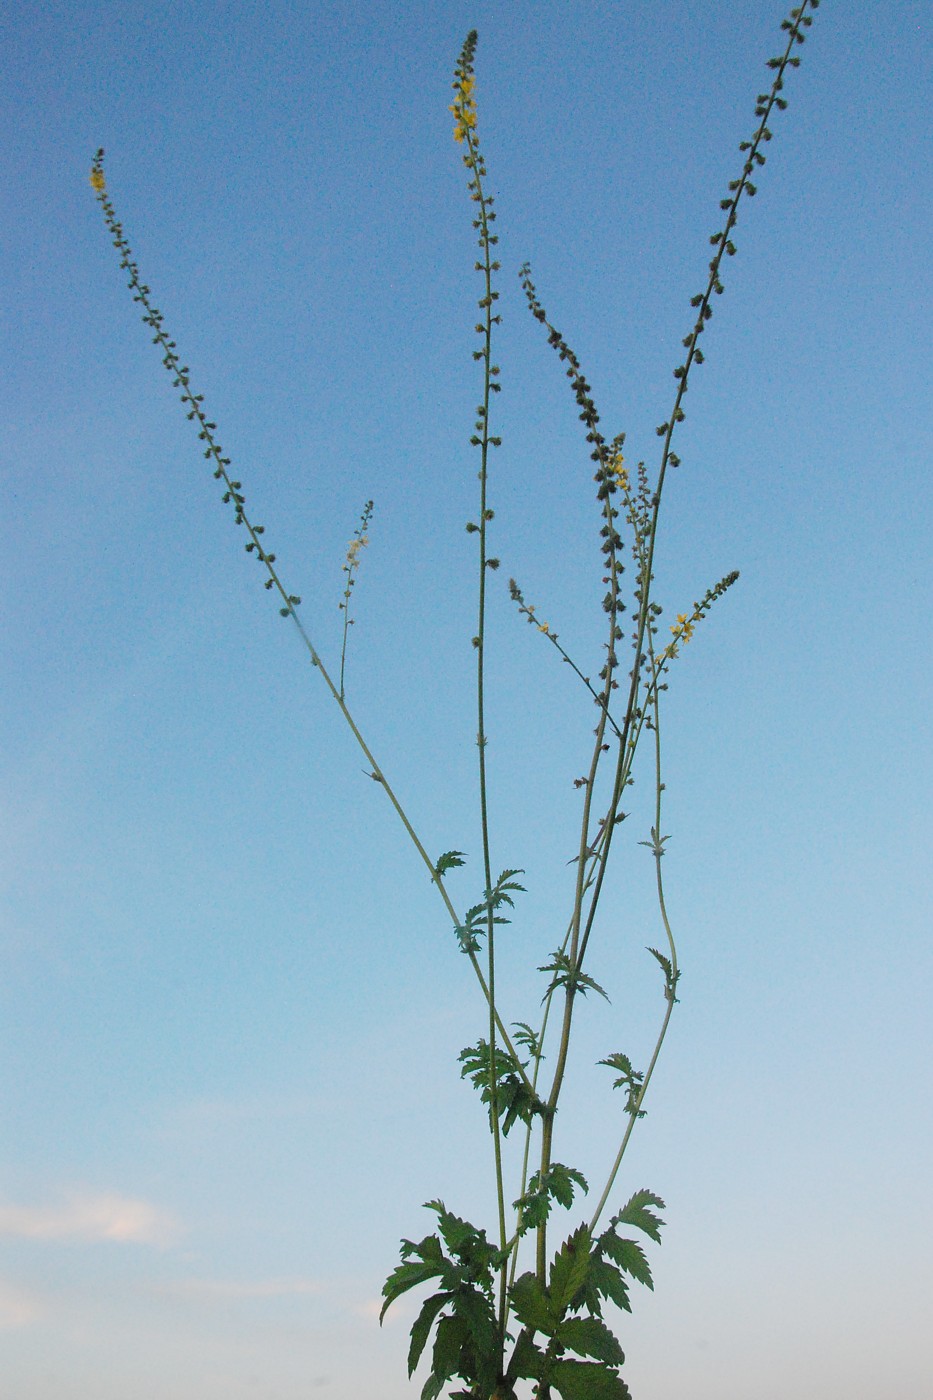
[464,107]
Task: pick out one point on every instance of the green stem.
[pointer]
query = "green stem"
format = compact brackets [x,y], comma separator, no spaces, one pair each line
[476,165]
[675,971]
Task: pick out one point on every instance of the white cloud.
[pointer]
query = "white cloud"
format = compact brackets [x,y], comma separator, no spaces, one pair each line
[121,1219]
[17,1308]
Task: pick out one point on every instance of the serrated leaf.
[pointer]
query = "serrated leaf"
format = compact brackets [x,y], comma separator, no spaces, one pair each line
[567,974]
[587,1380]
[671,978]
[428,1248]
[531,1306]
[528,1038]
[637,1213]
[664,961]
[506,876]
[469,943]
[588,1336]
[585,983]
[604,1280]
[432,1387]
[476,1310]
[448,1342]
[448,861]
[456,1233]
[514,1099]
[569,1269]
[558,1183]
[527,1361]
[631,1258]
[469,1245]
[630,1079]
[422,1328]
[406,1276]
[561,1181]
[535,1207]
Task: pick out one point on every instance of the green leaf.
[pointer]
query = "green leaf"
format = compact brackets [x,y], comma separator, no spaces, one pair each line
[422,1327]
[587,1380]
[407,1276]
[448,861]
[635,1263]
[528,1038]
[567,974]
[505,882]
[561,1181]
[467,939]
[604,1280]
[477,918]
[637,1212]
[456,1232]
[588,1336]
[427,1249]
[569,1269]
[630,1078]
[476,1309]
[629,1256]
[531,1305]
[432,1387]
[671,978]
[448,1343]
[535,1207]
[468,1245]
[527,1361]
[515,1100]
[557,1183]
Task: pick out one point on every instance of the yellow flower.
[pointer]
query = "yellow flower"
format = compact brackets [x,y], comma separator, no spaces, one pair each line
[463,108]
[543,627]
[684,628]
[97,180]
[621,472]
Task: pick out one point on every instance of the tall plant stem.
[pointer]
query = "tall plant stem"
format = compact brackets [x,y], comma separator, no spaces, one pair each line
[474,161]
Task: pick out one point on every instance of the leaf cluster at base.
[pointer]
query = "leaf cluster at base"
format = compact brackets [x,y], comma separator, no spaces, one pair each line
[577,1357]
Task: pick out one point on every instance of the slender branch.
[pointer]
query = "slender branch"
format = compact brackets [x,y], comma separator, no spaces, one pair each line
[671,984]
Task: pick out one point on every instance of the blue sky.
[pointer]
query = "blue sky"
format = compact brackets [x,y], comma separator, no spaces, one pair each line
[231,1006]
